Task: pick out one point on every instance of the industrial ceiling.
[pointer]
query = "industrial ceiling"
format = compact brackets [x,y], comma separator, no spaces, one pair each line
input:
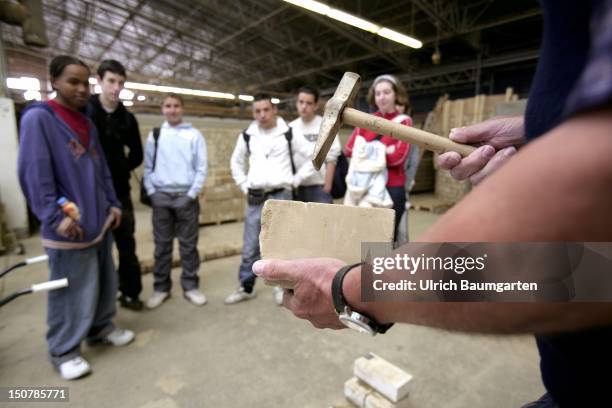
[248,45]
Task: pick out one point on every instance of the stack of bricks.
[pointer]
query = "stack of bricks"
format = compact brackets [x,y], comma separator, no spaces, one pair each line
[377,384]
[221,200]
[425,177]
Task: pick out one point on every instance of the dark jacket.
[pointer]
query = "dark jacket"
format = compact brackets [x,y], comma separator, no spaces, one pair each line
[116,131]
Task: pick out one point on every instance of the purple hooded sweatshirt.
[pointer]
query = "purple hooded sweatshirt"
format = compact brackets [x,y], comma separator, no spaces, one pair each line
[53,164]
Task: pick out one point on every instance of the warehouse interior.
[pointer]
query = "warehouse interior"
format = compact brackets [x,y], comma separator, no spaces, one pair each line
[476,62]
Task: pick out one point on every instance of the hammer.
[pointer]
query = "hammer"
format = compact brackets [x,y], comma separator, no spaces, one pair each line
[337,111]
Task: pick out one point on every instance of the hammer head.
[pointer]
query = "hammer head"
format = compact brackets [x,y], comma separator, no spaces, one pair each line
[332,117]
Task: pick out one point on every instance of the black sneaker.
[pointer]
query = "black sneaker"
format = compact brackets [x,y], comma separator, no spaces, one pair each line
[130,303]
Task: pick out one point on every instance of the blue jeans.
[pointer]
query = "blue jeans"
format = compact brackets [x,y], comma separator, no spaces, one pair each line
[84,309]
[250,241]
[313,194]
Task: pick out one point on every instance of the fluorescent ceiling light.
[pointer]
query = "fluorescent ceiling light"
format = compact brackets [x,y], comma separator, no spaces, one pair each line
[357,22]
[128,103]
[126,94]
[93,81]
[275,101]
[141,98]
[32,95]
[177,90]
[23,83]
[353,20]
[172,89]
[399,38]
[248,98]
[311,5]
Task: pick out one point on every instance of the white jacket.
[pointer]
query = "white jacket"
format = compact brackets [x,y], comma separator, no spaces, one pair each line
[268,166]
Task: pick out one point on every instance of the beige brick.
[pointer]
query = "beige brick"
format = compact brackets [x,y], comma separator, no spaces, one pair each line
[292,229]
[364,396]
[386,378]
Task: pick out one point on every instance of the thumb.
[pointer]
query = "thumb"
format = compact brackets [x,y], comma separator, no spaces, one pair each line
[274,270]
[477,133]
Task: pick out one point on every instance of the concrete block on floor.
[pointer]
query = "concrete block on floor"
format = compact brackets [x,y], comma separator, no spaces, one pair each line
[386,378]
[292,229]
[363,396]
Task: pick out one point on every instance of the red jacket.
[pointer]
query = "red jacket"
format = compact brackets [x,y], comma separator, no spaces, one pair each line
[395,160]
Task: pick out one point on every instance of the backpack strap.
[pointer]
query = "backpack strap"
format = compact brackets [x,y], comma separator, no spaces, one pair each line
[155,139]
[289,137]
[247,139]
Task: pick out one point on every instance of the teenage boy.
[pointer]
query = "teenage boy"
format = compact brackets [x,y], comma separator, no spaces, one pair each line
[118,131]
[175,171]
[317,187]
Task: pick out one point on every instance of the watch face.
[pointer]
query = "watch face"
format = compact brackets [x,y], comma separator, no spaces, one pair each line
[356,324]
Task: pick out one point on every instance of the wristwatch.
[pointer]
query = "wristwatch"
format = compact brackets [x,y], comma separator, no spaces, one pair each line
[354,320]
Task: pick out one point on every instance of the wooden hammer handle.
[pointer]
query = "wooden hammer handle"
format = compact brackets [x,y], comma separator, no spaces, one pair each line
[405,133]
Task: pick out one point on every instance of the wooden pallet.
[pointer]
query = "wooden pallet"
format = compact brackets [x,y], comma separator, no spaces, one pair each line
[220,221]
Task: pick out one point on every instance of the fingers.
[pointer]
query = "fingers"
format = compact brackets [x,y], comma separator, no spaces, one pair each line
[473,163]
[79,232]
[497,132]
[305,311]
[68,228]
[496,162]
[276,271]
[480,132]
[288,299]
[65,228]
[116,217]
[448,160]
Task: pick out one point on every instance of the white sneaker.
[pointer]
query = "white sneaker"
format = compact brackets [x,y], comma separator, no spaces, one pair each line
[74,368]
[239,296]
[119,337]
[278,292]
[157,299]
[196,297]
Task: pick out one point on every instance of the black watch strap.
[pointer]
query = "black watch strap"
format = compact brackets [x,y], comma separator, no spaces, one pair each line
[340,302]
[337,293]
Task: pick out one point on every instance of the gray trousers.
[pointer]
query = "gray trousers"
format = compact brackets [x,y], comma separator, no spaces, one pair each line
[84,309]
[250,244]
[175,215]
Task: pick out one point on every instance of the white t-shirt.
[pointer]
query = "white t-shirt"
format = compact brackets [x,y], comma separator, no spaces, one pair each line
[309,132]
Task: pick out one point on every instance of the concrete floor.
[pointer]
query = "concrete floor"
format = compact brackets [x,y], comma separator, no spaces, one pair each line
[254,354]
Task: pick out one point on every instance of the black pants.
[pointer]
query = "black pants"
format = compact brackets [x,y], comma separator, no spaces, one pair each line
[398,196]
[130,283]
